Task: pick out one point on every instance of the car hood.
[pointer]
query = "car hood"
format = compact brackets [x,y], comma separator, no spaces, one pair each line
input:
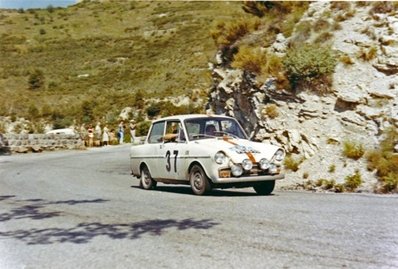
[239,149]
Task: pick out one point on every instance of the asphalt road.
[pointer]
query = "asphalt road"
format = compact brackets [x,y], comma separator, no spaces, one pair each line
[82,209]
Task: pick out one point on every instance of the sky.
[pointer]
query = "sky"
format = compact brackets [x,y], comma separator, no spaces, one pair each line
[25,4]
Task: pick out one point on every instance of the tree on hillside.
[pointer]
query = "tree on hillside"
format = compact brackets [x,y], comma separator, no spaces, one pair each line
[36,79]
[139,100]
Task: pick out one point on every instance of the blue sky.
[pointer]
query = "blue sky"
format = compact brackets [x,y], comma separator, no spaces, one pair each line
[35,3]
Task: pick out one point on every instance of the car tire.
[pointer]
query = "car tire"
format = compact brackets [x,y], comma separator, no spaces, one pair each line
[264,188]
[199,182]
[146,180]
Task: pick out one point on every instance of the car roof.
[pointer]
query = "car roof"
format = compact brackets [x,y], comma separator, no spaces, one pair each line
[190,116]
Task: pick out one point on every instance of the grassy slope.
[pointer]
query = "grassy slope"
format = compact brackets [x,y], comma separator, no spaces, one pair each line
[161,48]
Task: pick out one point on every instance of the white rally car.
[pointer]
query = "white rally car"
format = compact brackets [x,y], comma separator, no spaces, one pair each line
[206,152]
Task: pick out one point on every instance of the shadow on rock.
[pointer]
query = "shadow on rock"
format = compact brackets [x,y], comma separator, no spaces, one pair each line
[85,232]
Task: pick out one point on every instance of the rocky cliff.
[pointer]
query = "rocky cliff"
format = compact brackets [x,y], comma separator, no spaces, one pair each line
[312,127]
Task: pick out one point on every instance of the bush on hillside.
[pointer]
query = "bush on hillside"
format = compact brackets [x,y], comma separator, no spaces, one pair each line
[292,163]
[310,65]
[352,182]
[250,59]
[385,161]
[142,128]
[353,150]
[36,79]
[226,33]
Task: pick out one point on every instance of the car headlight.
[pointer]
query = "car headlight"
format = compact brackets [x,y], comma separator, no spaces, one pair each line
[279,155]
[220,157]
[273,169]
[236,170]
[247,164]
[264,164]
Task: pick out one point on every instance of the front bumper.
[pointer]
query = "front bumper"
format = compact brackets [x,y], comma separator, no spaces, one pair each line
[248,179]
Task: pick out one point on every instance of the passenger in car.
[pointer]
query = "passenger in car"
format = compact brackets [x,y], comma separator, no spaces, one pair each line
[210,130]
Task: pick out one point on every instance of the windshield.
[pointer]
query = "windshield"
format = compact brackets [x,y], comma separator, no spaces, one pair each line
[210,127]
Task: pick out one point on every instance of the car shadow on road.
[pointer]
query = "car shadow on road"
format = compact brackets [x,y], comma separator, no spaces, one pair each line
[35,209]
[85,232]
[186,190]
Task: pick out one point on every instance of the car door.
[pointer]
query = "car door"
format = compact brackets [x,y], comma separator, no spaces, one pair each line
[153,157]
[173,150]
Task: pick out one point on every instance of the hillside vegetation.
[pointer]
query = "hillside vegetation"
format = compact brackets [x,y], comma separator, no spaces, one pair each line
[89,61]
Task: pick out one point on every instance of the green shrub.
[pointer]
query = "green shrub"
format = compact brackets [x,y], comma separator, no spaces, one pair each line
[332,168]
[325,184]
[390,182]
[309,63]
[153,110]
[36,79]
[142,128]
[353,150]
[352,182]
[339,188]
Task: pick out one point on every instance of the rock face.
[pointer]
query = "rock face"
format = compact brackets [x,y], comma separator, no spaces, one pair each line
[314,127]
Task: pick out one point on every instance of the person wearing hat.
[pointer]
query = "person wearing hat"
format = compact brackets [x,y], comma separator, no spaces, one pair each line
[132,131]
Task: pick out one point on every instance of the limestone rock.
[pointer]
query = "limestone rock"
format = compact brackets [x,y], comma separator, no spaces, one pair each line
[21,149]
[352,118]
[36,148]
[352,95]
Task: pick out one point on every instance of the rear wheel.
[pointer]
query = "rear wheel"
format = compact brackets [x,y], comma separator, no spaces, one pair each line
[199,182]
[146,180]
[264,188]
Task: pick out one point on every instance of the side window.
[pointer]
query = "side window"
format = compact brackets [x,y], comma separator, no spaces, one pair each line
[174,132]
[156,135]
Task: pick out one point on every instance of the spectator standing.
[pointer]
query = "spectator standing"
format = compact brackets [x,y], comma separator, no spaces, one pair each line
[98,134]
[121,132]
[105,136]
[90,131]
[132,131]
[112,137]
[83,133]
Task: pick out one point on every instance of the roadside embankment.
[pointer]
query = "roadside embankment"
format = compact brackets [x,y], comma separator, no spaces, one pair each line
[24,143]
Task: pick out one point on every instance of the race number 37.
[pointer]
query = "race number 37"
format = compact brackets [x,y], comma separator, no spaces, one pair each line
[168,157]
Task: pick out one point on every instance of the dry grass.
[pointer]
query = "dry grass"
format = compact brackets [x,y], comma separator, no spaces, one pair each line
[385,162]
[367,54]
[352,182]
[353,150]
[271,111]
[346,59]
[251,59]
[292,163]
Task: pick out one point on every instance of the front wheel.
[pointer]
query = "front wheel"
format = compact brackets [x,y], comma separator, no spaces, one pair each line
[146,180]
[199,182]
[264,188]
